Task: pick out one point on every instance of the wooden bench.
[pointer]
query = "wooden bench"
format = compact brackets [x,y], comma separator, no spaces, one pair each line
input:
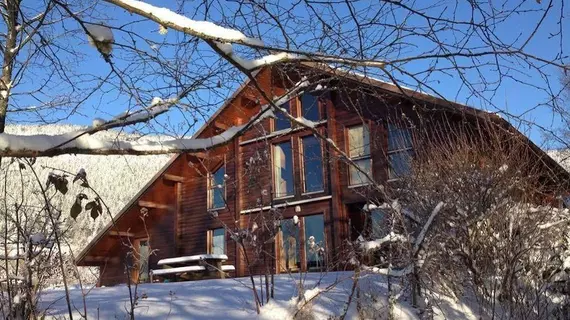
[188,267]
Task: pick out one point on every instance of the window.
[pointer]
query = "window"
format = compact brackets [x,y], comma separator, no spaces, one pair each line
[400,151]
[290,256]
[379,224]
[310,106]
[217,189]
[359,153]
[283,169]
[144,253]
[217,241]
[312,164]
[315,242]
[280,121]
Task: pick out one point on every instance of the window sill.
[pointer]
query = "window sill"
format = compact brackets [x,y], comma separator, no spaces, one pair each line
[216,209]
[283,198]
[351,186]
[312,193]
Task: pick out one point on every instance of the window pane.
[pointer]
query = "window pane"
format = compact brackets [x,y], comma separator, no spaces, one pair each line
[313,164]
[379,224]
[310,106]
[315,241]
[143,261]
[217,189]
[283,169]
[281,122]
[218,241]
[399,138]
[358,141]
[400,164]
[356,177]
[290,256]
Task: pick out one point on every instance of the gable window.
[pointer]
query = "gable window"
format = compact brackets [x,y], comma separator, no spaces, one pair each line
[281,122]
[400,151]
[217,241]
[359,153]
[283,169]
[312,164]
[310,106]
[217,189]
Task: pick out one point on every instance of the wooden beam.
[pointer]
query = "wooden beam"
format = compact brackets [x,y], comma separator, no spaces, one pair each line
[198,154]
[173,177]
[151,204]
[121,233]
[101,259]
[221,125]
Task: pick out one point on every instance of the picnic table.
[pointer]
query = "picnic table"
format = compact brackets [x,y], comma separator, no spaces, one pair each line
[188,267]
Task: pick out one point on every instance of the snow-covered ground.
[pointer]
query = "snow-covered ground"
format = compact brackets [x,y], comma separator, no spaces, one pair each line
[232,299]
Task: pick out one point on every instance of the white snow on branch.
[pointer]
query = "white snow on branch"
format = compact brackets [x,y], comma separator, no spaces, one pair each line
[427,225]
[200,29]
[377,243]
[99,32]
[82,142]
[389,271]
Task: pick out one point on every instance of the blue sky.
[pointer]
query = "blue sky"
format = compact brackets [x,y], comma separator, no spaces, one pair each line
[514,97]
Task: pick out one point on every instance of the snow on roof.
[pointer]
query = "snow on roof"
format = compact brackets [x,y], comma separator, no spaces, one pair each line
[178,270]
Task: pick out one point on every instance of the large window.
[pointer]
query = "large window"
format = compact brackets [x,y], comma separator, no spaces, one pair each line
[400,151]
[312,164]
[290,256]
[359,153]
[144,253]
[315,242]
[280,121]
[217,241]
[283,169]
[217,189]
[310,106]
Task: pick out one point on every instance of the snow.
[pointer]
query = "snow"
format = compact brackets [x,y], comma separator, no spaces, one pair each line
[97,122]
[231,299]
[100,32]
[377,243]
[192,258]
[178,270]
[201,29]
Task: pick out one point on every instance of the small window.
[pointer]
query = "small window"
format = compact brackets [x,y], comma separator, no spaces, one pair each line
[310,106]
[315,242]
[217,241]
[283,169]
[359,153]
[400,151]
[217,189]
[312,164]
[280,121]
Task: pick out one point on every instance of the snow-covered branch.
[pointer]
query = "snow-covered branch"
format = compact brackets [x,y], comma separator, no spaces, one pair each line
[84,142]
[377,243]
[224,37]
[427,225]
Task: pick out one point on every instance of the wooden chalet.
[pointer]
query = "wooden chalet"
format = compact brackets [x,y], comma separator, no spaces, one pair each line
[183,209]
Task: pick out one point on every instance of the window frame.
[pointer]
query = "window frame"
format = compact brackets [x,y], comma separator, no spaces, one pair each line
[302,160]
[274,119]
[305,239]
[210,240]
[320,107]
[210,189]
[355,159]
[273,167]
[406,150]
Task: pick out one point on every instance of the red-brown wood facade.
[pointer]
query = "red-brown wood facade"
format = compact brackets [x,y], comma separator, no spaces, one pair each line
[177,219]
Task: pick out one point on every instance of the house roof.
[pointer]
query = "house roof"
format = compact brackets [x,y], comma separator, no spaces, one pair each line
[354,76]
